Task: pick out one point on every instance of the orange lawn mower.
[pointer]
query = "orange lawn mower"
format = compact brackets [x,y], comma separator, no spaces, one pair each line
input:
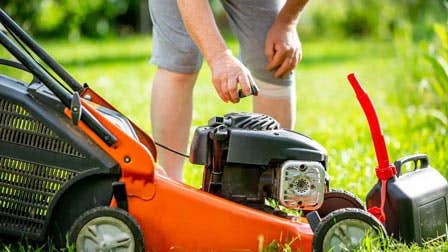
[75,169]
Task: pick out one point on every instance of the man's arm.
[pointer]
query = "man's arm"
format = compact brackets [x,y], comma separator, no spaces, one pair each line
[291,11]
[227,71]
[282,47]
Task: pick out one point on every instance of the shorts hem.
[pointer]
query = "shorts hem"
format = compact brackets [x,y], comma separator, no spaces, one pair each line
[275,81]
[177,69]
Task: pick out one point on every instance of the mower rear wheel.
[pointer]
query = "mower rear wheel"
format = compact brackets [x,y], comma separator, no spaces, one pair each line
[106,229]
[346,229]
[337,199]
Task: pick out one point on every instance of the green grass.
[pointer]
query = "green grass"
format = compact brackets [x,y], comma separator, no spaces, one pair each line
[327,109]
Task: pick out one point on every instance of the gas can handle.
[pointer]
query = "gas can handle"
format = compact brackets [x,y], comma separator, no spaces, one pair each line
[423,158]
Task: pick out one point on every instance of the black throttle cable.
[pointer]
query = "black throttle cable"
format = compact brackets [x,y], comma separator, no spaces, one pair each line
[171,150]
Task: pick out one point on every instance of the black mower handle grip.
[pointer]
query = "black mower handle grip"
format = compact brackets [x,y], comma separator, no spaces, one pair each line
[253,91]
[423,158]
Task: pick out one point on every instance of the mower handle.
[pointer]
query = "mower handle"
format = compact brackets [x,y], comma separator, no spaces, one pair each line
[49,81]
[16,30]
[14,64]
[18,65]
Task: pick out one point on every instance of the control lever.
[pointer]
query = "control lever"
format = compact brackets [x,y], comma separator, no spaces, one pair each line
[76,108]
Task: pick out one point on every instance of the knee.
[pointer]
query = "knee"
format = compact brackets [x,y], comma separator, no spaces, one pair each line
[272,91]
[256,62]
[174,80]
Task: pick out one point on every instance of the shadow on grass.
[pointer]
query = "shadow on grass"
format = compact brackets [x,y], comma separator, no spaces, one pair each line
[308,60]
[105,59]
[311,60]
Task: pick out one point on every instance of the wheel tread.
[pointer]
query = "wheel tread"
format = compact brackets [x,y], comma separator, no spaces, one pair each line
[342,214]
[105,211]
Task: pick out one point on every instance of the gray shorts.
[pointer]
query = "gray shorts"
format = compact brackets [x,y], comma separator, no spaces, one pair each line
[250,20]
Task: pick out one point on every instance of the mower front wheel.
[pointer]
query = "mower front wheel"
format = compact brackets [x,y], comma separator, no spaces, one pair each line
[106,229]
[346,230]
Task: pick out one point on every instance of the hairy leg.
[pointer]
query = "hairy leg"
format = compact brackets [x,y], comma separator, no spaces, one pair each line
[171,111]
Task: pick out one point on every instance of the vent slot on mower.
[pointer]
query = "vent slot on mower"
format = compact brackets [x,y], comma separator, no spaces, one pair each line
[19,127]
[26,192]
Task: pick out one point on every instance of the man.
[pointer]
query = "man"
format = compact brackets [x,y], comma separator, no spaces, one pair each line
[185,30]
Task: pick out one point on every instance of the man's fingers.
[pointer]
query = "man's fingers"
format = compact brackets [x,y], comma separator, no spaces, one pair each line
[219,89]
[287,66]
[277,60]
[232,89]
[283,68]
[269,51]
[228,76]
[244,81]
[253,86]
[281,53]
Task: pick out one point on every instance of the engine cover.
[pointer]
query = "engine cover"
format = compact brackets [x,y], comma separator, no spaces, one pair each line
[249,143]
[249,158]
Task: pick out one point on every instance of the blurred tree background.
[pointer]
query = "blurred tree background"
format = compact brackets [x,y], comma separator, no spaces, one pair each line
[76,18]
[334,18]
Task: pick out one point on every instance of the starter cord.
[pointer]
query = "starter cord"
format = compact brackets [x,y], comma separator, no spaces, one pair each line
[173,151]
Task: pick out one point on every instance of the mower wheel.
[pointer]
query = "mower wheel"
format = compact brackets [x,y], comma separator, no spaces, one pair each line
[345,230]
[337,199]
[106,229]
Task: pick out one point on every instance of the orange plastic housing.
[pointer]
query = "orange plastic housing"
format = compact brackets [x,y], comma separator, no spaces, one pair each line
[182,218]
[177,217]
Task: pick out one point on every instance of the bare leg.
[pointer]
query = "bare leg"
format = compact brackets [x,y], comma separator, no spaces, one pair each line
[171,111]
[281,109]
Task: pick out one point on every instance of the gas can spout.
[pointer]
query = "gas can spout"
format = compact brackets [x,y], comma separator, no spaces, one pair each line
[385,168]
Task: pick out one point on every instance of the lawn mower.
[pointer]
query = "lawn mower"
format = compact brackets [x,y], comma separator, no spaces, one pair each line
[73,168]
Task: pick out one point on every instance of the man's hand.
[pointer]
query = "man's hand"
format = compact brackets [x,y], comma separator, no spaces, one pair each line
[282,49]
[227,72]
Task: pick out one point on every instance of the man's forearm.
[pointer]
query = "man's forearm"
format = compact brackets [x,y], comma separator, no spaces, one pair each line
[290,12]
[200,23]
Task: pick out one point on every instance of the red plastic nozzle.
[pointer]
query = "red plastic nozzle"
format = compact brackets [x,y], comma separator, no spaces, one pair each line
[385,169]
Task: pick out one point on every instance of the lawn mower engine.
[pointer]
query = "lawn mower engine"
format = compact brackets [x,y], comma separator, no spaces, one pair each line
[248,158]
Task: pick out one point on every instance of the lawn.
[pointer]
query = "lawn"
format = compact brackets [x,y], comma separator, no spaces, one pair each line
[327,109]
